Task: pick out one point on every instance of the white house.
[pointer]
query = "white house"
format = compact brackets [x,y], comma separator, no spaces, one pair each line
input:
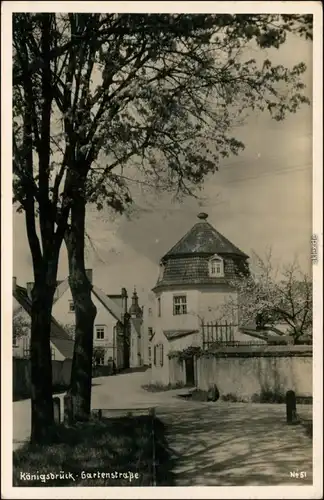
[191,289]
[114,329]
[60,342]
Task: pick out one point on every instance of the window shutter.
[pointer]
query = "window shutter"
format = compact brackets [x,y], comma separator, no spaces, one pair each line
[161,354]
[154,355]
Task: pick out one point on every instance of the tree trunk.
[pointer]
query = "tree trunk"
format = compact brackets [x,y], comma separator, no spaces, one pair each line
[42,418]
[85,313]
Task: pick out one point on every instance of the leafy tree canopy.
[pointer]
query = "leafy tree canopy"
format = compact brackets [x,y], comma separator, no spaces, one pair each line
[146,97]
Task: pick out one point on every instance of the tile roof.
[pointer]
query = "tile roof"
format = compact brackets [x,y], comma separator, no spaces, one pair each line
[187,261]
[193,270]
[203,238]
[59,337]
[176,334]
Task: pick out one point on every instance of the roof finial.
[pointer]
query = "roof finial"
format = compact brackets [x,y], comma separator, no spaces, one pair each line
[202,216]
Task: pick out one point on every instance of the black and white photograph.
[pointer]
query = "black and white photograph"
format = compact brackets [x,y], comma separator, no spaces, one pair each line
[161,249]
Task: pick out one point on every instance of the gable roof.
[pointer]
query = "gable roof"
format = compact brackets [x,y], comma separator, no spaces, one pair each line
[203,238]
[109,304]
[59,336]
[61,288]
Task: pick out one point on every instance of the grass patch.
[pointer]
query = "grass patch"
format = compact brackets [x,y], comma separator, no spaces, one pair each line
[163,388]
[120,448]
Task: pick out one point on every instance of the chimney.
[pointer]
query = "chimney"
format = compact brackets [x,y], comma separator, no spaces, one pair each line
[124,299]
[14,283]
[29,286]
[89,274]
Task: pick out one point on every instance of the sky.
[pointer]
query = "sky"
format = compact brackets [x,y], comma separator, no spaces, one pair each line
[260,199]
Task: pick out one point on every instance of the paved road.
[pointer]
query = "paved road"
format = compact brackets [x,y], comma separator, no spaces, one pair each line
[213,444]
[119,392]
[233,444]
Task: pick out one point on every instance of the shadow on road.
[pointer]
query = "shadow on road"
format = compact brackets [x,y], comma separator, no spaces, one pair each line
[226,446]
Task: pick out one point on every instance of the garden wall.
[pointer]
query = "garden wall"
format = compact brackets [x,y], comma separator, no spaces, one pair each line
[61,373]
[248,372]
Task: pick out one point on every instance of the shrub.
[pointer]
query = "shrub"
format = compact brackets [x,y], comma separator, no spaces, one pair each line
[268,396]
[230,397]
[162,387]
[256,398]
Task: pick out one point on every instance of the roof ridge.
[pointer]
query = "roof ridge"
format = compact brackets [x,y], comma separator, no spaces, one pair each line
[103,298]
[226,239]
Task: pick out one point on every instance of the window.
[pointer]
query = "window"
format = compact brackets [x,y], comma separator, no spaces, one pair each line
[53,354]
[159,307]
[179,305]
[100,332]
[150,311]
[216,267]
[154,355]
[14,341]
[149,353]
[100,360]
[71,306]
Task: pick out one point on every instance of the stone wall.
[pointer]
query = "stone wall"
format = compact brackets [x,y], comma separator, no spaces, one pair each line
[247,373]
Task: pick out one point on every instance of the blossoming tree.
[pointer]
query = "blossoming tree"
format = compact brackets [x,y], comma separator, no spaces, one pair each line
[275,300]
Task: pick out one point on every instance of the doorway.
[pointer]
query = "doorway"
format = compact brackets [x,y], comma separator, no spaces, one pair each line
[190,371]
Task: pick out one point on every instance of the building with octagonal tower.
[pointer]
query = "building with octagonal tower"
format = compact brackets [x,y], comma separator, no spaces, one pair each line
[193,284]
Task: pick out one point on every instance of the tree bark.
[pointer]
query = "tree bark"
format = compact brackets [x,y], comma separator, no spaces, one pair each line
[42,418]
[85,313]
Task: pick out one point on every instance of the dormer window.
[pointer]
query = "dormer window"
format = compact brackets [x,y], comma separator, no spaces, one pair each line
[216,267]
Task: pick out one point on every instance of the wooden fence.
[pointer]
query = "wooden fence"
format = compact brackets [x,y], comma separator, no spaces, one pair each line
[215,333]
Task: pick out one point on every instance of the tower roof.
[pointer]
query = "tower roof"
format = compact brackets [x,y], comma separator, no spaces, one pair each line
[203,238]
[135,309]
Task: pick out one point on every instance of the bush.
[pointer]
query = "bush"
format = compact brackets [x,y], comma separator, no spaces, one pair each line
[256,398]
[268,396]
[230,397]
[163,388]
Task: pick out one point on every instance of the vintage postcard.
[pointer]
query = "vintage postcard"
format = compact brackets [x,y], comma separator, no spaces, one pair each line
[162,249]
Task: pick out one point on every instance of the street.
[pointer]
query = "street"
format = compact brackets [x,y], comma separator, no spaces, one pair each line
[213,444]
